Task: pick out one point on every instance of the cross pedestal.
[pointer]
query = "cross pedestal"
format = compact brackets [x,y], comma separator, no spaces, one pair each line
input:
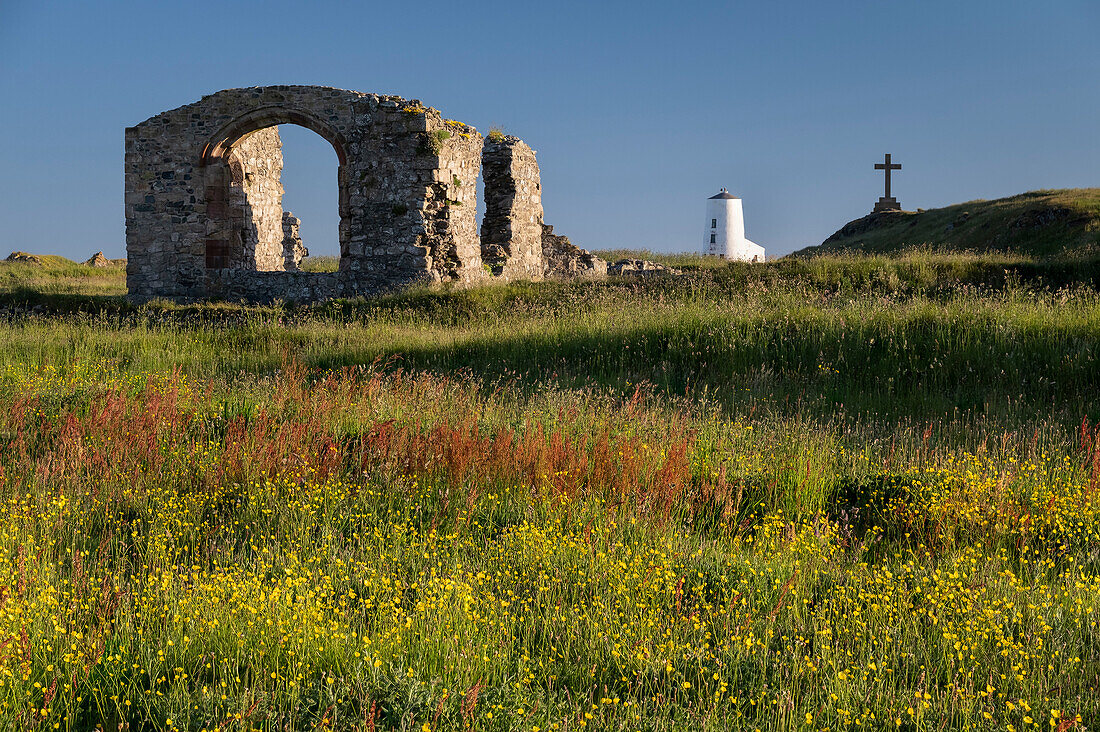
[887,204]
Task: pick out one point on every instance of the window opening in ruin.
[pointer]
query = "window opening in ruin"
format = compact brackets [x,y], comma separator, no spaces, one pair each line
[712,239]
[714,223]
[311,198]
[257,226]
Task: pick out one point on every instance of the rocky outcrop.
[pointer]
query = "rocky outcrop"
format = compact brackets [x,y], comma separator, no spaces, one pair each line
[1038,218]
[870,222]
[640,268]
[24,258]
[98,260]
[561,258]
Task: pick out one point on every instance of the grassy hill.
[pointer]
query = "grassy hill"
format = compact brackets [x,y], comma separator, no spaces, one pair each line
[41,275]
[1040,223]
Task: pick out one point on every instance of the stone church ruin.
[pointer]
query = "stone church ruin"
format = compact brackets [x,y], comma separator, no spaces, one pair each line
[204,215]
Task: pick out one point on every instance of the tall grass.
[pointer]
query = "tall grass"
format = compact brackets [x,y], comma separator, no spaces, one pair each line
[811,495]
[380,548]
[1008,354]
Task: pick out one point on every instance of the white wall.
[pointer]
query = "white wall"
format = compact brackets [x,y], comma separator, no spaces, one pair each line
[729,232]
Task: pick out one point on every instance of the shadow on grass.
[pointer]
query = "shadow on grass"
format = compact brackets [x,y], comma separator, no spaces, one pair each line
[26,300]
[964,355]
[924,366]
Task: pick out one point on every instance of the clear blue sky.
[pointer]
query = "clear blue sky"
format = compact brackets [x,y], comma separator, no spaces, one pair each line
[638,110]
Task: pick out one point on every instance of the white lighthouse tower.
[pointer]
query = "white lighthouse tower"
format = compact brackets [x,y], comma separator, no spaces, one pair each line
[725,233]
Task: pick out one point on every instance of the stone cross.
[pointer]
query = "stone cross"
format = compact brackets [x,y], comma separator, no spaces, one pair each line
[887,166]
[887,202]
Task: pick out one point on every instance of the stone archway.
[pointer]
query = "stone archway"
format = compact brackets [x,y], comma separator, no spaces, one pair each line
[272,116]
[241,166]
[407,195]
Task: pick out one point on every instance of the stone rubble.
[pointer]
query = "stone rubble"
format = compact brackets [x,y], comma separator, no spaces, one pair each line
[640,268]
[24,258]
[564,259]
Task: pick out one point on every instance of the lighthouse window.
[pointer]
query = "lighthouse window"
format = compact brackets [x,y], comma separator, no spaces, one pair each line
[714,223]
[712,238]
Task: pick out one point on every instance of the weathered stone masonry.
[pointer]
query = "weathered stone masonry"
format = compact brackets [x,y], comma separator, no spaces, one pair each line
[203,203]
[511,231]
[204,213]
[254,196]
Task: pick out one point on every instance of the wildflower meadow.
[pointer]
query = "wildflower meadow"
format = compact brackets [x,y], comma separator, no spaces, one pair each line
[848,493]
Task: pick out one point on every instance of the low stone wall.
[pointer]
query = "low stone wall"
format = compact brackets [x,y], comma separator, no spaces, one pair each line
[266,287]
[640,268]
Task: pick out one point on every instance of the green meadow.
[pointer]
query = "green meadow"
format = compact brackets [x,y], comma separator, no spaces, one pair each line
[820,493]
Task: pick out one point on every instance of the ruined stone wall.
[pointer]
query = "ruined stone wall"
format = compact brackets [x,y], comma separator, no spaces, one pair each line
[406,204]
[294,251]
[511,232]
[256,199]
[450,209]
[562,258]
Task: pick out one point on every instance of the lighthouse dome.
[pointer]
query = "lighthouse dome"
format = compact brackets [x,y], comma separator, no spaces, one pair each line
[724,194]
